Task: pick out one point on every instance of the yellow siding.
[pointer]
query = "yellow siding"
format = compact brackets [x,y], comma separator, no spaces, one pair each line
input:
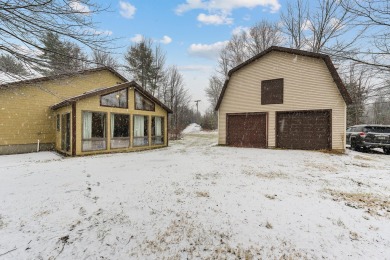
[93,104]
[308,85]
[25,114]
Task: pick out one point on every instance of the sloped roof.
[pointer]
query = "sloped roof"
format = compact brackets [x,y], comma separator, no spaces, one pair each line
[336,78]
[54,77]
[103,91]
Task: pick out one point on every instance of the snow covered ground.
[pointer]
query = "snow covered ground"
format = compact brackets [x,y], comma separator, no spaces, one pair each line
[197,200]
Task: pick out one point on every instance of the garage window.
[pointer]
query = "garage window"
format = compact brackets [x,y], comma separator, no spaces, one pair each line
[272,91]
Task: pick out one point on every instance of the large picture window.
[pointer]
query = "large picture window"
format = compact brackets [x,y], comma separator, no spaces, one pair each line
[157,130]
[142,103]
[141,137]
[120,131]
[115,99]
[94,131]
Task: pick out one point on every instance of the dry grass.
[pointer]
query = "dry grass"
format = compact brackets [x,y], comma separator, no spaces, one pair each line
[269,225]
[264,174]
[361,157]
[184,238]
[204,194]
[373,204]
[271,197]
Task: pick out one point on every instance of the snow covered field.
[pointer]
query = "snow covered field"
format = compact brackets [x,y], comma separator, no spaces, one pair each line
[197,200]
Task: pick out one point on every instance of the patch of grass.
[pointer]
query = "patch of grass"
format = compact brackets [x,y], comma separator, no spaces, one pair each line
[335,152]
[185,238]
[373,204]
[271,197]
[361,157]
[273,174]
[269,225]
[204,194]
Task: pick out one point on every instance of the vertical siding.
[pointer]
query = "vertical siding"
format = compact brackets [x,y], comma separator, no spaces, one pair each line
[308,85]
[25,114]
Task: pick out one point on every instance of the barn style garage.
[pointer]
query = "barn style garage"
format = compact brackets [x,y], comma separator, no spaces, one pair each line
[284,98]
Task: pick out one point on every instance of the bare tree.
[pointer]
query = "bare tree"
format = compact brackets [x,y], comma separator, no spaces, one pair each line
[294,23]
[245,44]
[23,22]
[263,35]
[358,80]
[214,89]
[373,17]
[178,100]
[104,59]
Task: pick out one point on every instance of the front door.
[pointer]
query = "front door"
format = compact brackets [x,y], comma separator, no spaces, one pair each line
[65,132]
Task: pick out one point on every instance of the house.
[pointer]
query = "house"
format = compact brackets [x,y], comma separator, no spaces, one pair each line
[284,98]
[89,112]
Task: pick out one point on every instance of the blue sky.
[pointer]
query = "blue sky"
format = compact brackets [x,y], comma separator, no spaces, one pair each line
[190,31]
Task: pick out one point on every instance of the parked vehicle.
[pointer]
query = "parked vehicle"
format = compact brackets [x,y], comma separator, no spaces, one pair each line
[365,137]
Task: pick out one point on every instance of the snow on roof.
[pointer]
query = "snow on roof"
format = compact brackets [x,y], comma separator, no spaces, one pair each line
[192,128]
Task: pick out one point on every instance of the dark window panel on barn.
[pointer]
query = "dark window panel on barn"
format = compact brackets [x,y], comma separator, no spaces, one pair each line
[272,91]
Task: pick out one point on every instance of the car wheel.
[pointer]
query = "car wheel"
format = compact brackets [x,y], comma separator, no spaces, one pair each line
[354,146]
[386,150]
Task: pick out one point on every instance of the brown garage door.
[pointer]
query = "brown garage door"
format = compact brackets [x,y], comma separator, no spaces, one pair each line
[306,130]
[247,130]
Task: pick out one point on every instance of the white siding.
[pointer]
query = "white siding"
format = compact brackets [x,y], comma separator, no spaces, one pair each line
[308,85]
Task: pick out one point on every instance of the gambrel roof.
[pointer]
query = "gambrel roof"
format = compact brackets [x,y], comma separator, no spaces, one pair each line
[336,78]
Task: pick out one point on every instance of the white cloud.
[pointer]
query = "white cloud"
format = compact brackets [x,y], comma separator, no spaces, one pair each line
[127,10]
[208,51]
[103,32]
[306,25]
[137,38]
[78,7]
[240,29]
[226,5]
[215,19]
[166,40]
[195,68]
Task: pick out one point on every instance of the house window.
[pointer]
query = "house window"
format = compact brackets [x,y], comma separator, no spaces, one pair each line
[272,91]
[58,122]
[94,131]
[142,103]
[141,137]
[115,99]
[120,131]
[157,130]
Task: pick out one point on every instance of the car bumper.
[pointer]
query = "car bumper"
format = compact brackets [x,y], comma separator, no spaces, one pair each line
[375,145]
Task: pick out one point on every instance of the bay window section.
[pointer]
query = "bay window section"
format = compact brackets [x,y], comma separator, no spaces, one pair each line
[157,130]
[141,136]
[115,99]
[120,131]
[94,131]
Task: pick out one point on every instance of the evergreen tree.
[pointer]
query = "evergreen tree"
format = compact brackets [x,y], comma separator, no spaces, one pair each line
[61,56]
[9,64]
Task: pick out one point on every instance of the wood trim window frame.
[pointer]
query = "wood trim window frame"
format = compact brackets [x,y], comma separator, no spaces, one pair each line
[92,138]
[127,99]
[135,102]
[147,125]
[162,129]
[120,138]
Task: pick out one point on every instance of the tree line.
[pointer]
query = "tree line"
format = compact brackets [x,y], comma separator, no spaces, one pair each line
[354,33]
